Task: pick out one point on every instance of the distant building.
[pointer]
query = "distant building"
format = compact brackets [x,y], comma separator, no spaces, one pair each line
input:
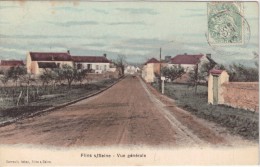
[150,69]
[36,62]
[189,62]
[167,58]
[96,64]
[130,69]
[7,64]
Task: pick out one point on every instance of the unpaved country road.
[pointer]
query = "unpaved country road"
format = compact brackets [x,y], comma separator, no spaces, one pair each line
[129,113]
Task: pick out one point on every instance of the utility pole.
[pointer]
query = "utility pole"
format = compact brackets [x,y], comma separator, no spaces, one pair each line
[160,81]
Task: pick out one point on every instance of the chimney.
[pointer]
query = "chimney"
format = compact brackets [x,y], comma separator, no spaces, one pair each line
[105,55]
[208,55]
[167,58]
[68,51]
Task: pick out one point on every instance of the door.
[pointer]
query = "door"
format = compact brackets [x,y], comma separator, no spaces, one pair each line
[88,66]
[215,89]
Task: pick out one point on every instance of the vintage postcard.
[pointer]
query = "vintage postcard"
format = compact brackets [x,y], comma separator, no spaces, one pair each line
[129,83]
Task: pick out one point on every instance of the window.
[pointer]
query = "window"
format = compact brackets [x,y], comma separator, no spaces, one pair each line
[96,67]
[79,66]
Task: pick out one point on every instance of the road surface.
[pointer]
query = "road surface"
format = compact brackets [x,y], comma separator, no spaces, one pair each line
[129,113]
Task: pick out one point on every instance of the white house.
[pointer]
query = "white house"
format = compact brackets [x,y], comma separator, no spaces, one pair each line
[188,62]
[131,69]
[96,64]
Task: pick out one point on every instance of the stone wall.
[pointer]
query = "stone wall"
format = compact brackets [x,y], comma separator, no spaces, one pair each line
[241,95]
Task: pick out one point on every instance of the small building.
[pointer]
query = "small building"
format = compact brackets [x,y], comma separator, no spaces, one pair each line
[5,65]
[95,64]
[36,62]
[130,69]
[150,69]
[215,88]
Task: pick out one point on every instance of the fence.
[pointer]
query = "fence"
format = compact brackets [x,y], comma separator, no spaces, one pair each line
[243,95]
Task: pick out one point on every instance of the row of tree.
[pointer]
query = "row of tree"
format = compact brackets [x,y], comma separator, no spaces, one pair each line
[59,75]
[55,76]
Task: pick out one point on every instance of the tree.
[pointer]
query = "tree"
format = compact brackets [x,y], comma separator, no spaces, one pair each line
[58,75]
[172,73]
[199,73]
[46,77]
[4,79]
[69,74]
[16,73]
[27,79]
[120,64]
[241,73]
[80,76]
[194,77]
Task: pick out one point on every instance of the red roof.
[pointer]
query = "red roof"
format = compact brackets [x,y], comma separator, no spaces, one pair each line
[90,59]
[216,72]
[152,60]
[50,56]
[12,63]
[186,59]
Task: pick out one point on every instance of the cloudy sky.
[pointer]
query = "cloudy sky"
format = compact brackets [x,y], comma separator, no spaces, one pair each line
[136,29]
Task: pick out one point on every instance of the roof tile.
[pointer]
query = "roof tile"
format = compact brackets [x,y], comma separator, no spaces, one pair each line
[50,56]
[12,63]
[152,60]
[90,59]
[186,59]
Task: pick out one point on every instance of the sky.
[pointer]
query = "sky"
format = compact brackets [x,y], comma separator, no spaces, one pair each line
[135,29]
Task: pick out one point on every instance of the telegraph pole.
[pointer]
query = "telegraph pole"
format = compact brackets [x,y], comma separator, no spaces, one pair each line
[160,81]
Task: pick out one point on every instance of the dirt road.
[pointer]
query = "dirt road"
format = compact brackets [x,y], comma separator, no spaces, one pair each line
[129,113]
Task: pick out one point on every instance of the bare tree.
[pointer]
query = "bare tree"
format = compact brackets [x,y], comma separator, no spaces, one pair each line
[4,79]
[172,73]
[194,77]
[46,77]
[120,64]
[80,76]
[69,74]
[241,73]
[27,79]
[16,73]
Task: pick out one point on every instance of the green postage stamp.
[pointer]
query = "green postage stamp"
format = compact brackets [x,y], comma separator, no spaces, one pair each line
[225,23]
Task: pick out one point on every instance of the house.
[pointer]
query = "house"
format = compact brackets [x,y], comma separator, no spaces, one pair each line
[130,69]
[190,62]
[97,64]
[7,64]
[150,69]
[36,62]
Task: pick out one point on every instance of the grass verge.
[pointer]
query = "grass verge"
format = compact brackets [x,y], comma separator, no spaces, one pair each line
[237,121]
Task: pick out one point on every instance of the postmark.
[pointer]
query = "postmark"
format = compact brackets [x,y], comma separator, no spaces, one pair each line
[225,23]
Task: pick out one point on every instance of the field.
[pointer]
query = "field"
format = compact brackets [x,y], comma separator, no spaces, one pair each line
[42,97]
[237,121]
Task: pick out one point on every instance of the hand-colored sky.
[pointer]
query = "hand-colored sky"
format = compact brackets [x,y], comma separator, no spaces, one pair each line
[136,29]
